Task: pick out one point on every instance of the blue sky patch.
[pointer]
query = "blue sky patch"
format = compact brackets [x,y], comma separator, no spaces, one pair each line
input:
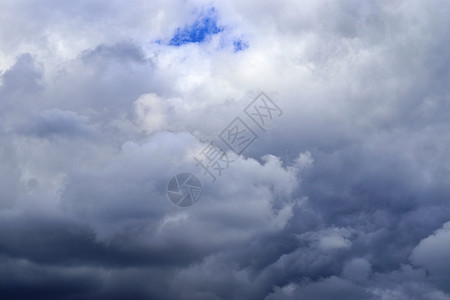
[239,45]
[203,27]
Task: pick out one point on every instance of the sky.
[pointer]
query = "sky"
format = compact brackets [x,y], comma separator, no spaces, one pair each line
[342,194]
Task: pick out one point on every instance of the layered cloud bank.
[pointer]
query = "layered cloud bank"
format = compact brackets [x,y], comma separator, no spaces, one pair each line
[344,196]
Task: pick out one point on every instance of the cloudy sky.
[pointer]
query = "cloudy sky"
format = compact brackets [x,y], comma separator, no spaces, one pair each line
[343,195]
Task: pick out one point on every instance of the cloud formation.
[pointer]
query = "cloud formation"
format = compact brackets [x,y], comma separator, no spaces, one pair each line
[345,196]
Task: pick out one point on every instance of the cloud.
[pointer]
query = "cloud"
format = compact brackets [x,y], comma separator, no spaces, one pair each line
[358,269]
[343,196]
[431,253]
[23,76]
[328,288]
[56,122]
[151,113]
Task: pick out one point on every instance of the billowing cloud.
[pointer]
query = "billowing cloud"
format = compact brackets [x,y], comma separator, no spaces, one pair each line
[431,253]
[342,196]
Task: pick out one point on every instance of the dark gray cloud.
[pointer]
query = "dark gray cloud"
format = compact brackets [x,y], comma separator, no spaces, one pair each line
[56,122]
[24,76]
